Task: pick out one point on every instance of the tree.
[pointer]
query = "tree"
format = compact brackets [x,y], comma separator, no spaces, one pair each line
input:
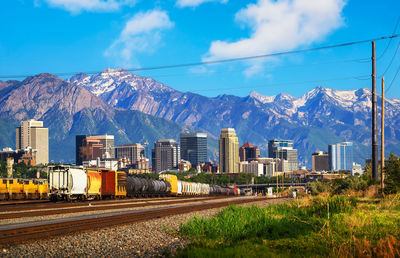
[392,175]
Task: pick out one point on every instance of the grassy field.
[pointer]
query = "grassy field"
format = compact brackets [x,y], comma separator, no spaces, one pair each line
[332,226]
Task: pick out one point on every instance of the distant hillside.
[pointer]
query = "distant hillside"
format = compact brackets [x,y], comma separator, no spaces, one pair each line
[68,110]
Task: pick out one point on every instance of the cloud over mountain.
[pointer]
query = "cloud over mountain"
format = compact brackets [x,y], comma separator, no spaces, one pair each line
[279,26]
[141,33]
[77,6]
[194,3]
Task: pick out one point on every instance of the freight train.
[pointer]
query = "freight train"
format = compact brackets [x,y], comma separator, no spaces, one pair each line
[69,183]
[17,189]
[76,183]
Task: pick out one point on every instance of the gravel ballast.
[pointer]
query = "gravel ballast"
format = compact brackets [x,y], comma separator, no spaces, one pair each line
[143,239]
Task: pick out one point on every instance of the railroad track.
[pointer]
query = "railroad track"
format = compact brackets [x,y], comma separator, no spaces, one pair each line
[19,235]
[51,211]
[51,205]
[25,202]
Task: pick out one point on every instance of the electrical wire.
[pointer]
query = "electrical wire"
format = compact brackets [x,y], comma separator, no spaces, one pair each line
[226,60]
[279,84]
[277,67]
[394,78]
[390,41]
[391,60]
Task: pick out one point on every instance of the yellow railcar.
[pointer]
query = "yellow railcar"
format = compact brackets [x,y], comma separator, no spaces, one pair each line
[94,184]
[43,188]
[4,195]
[173,180]
[30,189]
[15,188]
[120,184]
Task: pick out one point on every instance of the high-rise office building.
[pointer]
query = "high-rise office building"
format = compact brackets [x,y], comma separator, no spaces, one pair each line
[194,147]
[32,134]
[93,147]
[320,161]
[228,151]
[283,149]
[108,144]
[277,145]
[79,140]
[133,152]
[165,155]
[340,156]
[248,151]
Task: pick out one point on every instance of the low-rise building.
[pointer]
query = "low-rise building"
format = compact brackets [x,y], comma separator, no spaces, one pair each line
[27,155]
[252,167]
[184,165]
[320,161]
[357,169]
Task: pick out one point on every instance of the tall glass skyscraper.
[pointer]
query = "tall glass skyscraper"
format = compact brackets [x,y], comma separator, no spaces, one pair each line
[340,156]
[194,147]
[283,149]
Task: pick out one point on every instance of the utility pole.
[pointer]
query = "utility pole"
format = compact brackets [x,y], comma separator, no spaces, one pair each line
[383,135]
[375,172]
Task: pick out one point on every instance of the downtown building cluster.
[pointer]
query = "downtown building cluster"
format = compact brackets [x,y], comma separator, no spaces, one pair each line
[32,147]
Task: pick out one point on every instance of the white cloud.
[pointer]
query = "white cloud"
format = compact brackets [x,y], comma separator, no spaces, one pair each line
[77,6]
[141,34]
[279,26]
[194,3]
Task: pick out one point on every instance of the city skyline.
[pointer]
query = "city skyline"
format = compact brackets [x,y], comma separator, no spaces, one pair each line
[338,160]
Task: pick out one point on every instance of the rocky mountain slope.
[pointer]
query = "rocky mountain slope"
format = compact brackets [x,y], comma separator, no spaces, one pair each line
[318,118]
[67,110]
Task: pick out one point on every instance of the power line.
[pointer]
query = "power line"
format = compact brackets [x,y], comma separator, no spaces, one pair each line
[277,67]
[394,78]
[390,41]
[391,60]
[280,84]
[227,60]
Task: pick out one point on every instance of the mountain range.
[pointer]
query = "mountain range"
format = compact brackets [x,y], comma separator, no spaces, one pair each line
[136,108]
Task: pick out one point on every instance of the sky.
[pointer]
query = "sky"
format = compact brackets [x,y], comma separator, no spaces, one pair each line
[70,36]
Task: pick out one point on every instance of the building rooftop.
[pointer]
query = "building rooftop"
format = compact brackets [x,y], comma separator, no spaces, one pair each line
[248,145]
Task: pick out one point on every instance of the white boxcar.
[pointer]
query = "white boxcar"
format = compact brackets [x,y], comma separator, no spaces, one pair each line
[67,183]
[179,190]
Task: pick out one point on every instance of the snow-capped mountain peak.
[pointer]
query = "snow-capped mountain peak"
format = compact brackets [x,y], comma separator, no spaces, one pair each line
[112,79]
[261,98]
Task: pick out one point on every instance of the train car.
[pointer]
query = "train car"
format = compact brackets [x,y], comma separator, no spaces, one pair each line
[15,189]
[113,184]
[4,194]
[133,186]
[205,189]
[31,189]
[176,188]
[185,188]
[67,183]
[93,184]
[43,186]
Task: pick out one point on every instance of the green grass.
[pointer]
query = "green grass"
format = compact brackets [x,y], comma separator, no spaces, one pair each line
[298,228]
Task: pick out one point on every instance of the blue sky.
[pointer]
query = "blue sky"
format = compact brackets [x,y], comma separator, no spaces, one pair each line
[90,35]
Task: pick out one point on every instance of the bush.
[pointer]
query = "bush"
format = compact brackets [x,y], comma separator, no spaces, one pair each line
[318,187]
[299,228]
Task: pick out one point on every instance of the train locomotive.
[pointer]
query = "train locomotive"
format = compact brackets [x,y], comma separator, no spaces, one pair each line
[18,189]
